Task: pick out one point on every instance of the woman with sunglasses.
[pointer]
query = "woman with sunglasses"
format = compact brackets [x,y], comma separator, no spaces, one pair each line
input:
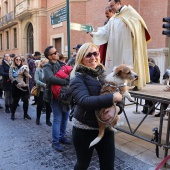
[87,79]
[17,93]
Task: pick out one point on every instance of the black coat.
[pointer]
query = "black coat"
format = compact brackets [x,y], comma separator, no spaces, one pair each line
[85,89]
[4,72]
[154,74]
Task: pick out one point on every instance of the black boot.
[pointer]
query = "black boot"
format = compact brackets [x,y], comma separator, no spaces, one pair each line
[1,107]
[38,121]
[12,116]
[26,116]
[48,123]
[7,110]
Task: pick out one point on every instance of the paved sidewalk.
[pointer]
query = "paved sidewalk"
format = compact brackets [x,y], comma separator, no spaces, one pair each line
[24,145]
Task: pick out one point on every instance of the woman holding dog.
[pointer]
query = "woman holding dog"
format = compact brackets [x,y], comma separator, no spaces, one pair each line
[17,93]
[87,79]
[41,87]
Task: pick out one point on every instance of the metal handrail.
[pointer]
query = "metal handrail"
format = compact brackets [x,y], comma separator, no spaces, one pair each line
[7,18]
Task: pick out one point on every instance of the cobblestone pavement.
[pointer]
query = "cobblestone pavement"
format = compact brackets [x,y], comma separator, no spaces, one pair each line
[26,146]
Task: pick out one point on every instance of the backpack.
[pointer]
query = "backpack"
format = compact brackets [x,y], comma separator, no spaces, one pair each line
[62,93]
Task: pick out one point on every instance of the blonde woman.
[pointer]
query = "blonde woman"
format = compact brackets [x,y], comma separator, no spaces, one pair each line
[17,93]
[87,79]
[41,86]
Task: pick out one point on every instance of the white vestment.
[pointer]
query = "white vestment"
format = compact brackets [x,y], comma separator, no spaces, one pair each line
[119,38]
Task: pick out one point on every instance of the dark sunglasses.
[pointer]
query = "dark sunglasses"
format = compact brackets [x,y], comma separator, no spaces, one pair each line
[95,54]
[54,53]
[18,59]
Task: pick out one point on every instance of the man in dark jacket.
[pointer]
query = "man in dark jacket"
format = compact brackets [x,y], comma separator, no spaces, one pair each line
[32,68]
[154,77]
[71,61]
[60,117]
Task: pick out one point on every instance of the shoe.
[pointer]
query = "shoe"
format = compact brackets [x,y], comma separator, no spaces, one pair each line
[48,123]
[65,141]
[34,103]
[144,111]
[12,117]
[135,88]
[157,115]
[58,147]
[27,117]
[150,113]
[37,121]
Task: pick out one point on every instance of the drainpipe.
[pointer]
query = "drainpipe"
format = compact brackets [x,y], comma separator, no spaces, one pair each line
[68,27]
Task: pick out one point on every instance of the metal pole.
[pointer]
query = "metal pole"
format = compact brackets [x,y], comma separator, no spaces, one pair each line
[68,26]
[169,53]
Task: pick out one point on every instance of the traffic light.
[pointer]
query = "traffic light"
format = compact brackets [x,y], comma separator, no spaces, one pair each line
[167,26]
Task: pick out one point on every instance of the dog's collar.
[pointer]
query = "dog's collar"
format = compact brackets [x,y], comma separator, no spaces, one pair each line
[122,84]
[117,86]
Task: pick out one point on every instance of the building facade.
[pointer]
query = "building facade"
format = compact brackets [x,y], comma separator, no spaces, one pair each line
[25,25]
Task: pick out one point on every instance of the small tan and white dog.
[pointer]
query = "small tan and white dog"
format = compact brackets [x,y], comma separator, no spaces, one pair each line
[115,81]
[22,72]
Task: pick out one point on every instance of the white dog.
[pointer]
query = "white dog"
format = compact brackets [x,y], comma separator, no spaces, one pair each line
[22,72]
[166,77]
[115,81]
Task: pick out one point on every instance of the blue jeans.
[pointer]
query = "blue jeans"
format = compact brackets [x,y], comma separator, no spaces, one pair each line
[60,119]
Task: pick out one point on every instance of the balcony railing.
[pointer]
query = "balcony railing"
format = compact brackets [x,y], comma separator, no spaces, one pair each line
[7,18]
[22,7]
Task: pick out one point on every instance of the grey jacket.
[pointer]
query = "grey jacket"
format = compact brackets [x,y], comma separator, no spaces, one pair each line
[49,71]
[39,80]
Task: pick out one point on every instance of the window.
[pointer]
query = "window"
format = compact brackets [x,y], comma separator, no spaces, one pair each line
[15,38]
[0,41]
[7,40]
[30,39]
[6,7]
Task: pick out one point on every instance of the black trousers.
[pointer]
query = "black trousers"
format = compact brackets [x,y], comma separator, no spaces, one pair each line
[105,148]
[41,104]
[15,104]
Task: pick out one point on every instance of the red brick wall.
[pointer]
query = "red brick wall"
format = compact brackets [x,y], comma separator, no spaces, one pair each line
[43,33]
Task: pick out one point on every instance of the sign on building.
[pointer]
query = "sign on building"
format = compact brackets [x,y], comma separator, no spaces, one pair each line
[58,16]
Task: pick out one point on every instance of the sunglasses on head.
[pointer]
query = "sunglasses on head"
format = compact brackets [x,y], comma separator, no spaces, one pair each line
[95,54]
[54,53]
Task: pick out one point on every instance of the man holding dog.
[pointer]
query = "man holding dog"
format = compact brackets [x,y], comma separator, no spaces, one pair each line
[127,35]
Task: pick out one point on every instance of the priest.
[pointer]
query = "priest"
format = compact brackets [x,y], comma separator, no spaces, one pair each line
[127,35]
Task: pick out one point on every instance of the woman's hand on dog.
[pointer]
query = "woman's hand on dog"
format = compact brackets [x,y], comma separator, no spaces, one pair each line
[117,97]
[110,113]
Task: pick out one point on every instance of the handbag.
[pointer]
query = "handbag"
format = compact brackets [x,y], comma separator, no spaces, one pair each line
[34,91]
